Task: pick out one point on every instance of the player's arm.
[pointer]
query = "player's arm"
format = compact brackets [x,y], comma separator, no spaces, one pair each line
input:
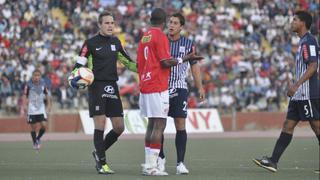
[310,58]
[167,60]
[25,100]
[195,70]
[125,59]
[48,99]
[81,60]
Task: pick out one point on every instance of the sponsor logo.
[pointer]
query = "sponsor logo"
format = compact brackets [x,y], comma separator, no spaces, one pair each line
[110,93]
[173,93]
[97,49]
[109,89]
[146,77]
[146,39]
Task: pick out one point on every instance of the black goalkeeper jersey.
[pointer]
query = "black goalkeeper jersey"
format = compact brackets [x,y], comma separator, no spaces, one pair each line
[101,52]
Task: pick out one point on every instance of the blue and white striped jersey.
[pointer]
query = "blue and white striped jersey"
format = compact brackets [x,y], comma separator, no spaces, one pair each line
[178,74]
[307,52]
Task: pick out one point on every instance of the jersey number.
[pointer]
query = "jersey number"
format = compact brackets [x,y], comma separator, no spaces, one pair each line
[184,106]
[145,52]
[306,110]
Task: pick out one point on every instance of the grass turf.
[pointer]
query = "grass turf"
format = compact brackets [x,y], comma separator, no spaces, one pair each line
[207,159]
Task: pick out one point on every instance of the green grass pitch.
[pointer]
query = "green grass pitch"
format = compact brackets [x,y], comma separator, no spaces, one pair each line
[207,159]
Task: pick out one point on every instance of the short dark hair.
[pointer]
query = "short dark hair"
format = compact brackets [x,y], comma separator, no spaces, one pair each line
[305,17]
[180,17]
[104,13]
[158,16]
[36,71]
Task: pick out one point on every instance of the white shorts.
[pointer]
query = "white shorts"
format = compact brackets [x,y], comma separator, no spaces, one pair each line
[154,105]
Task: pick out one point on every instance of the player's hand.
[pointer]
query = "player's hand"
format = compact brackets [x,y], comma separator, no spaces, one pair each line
[202,94]
[192,56]
[74,82]
[292,90]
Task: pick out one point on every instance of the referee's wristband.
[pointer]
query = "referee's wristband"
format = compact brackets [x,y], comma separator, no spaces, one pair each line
[180,60]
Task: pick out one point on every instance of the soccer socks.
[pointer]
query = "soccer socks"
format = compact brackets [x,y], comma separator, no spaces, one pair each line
[41,132]
[34,136]
[281,145]
[147,153]
[110,138]
[181,142]
[161,154]
[99,145]
[153,154]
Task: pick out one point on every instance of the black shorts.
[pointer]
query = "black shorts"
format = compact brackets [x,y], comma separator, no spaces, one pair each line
[32,119]
[104,99]
[304,110]
[178,103]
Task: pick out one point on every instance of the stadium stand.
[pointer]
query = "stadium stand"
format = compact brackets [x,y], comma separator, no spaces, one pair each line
[247,45]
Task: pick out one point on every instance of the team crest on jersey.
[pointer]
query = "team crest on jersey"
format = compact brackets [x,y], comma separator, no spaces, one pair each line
[146,39]
[182,49]
[113,47]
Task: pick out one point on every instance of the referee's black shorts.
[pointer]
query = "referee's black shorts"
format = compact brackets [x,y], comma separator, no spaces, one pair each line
[104,99]
[304,110]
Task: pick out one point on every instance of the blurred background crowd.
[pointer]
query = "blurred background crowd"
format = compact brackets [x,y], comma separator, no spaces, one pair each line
[248,48]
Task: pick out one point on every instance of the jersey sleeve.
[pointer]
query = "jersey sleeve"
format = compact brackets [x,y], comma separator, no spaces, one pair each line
[163,49]
[309,52]
[26,90]
[82,58]
[46,90]
[125,59]
[84,52]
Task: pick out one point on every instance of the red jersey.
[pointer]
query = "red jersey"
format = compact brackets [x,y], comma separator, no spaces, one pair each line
[153,48]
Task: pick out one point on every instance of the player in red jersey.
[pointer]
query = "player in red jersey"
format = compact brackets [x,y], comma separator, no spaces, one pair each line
[154,60]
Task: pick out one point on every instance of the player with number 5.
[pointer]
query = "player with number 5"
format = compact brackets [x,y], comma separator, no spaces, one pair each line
[304,93]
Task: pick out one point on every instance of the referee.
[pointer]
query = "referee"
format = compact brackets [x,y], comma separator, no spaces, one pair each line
[100,53]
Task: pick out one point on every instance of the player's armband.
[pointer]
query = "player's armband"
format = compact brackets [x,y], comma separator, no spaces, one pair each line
[132,66]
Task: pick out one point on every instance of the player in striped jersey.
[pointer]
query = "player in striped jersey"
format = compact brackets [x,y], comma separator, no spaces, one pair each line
[35,94]
[178,90]
[304,92]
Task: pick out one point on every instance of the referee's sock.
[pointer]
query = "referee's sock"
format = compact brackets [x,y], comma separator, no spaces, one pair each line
[98,144]
[34,136]
[41,132]
[281,145]
[110,138]
[161,154]
[181,143]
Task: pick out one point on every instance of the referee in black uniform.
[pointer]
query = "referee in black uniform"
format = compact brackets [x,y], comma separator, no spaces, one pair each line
[100,53]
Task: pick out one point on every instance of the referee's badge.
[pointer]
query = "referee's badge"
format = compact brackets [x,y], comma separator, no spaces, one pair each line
[113,47]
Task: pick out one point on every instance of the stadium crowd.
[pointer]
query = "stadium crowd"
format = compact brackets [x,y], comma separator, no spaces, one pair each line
[247,45]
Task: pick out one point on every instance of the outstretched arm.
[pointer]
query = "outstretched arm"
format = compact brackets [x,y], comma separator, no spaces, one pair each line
[127,61]
[173,62]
